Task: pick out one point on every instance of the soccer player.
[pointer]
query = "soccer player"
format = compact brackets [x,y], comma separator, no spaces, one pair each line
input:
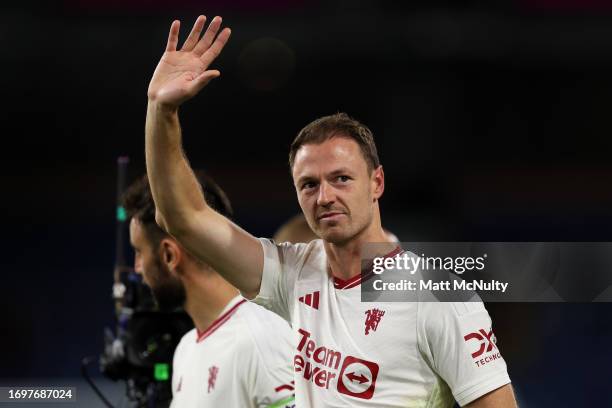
[238,354]
[347,353]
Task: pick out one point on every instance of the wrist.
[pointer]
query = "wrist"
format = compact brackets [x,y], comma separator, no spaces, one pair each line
[161,108]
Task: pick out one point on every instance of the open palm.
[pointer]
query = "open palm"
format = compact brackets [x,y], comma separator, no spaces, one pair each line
[182,74]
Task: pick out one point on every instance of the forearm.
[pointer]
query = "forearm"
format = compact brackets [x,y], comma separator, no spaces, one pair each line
[176,191]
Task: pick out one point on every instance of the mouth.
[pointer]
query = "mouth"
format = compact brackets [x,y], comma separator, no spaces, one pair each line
[330,216]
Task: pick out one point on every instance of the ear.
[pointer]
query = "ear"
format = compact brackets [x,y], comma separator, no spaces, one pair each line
[378,183]
[171,254]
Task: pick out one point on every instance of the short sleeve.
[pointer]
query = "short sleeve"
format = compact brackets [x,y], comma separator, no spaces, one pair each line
[458,342]
[263,385]
[267,359]
[282,264]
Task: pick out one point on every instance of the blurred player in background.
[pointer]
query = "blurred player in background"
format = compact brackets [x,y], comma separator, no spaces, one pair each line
[238,354]
[348,353]
[295,231]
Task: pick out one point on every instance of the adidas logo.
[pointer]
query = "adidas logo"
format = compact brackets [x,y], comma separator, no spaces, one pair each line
[311,299]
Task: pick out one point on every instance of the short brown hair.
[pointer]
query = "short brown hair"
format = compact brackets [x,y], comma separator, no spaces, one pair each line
[138,203]
[337,125]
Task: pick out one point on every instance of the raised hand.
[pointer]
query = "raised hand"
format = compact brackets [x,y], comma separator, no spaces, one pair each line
[180,75]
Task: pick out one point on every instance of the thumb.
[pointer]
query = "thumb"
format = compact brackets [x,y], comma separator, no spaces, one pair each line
[203,79]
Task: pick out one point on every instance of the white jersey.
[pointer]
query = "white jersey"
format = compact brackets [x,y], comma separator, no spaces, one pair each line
[242,360]
[376,354]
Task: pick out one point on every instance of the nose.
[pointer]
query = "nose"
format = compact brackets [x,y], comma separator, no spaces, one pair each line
[326,194]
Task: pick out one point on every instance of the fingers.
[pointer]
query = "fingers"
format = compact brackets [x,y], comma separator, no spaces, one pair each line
[203,80]
[194,36]
[173,36]
[209,36]
[215,49]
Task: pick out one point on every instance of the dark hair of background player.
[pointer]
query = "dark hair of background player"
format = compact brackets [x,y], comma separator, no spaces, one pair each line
[138,202]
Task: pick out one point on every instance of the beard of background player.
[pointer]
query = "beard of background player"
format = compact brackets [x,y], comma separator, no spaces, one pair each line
[168,290]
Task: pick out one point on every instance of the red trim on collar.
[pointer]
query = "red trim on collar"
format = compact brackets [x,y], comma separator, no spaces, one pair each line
[343,284]
[356,280]
[201,335]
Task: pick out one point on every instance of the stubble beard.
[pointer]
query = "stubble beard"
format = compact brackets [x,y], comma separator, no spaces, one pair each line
[168,290]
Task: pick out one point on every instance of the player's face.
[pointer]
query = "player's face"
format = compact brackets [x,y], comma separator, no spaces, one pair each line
[335,188]
[168,290]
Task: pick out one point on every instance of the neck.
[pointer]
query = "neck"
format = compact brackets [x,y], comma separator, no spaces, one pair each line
[345,258]
[207,295]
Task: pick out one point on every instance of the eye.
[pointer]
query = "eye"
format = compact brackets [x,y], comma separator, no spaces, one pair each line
[343,179]
[308,185]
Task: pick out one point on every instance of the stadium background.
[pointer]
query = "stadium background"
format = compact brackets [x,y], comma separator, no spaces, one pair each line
[491,118]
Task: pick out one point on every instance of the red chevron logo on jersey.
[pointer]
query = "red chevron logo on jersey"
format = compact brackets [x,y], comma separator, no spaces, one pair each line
[485,339]
[311,299]
[288,387]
